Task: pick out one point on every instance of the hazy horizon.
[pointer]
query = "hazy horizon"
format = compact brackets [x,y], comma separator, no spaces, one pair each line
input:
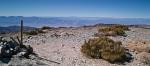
[77,17]
[68,21]
[74,12]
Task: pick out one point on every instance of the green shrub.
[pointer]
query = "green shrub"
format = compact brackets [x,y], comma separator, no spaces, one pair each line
[113,52]
[33,32]
[40,31]
[120,32]
[45,27]
[104,48]
[114,30]
[123,27]
[3,32]
[106,29]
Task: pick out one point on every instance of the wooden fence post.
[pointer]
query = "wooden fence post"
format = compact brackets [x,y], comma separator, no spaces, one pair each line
[21,29]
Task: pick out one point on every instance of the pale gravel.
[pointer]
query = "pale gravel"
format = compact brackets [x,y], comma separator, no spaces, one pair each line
[66,49]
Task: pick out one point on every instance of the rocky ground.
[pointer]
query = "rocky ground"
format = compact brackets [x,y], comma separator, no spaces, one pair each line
[61,47]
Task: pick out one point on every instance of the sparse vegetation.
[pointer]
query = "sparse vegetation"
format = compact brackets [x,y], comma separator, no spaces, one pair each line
[106,29]
[40,31]
[123,27]
[114,30]
[2,32]
[119,32]
[45,27]
[33,32]
[104,48]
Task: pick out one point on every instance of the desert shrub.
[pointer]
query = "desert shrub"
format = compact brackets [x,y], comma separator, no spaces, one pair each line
[3,32]
[40,31]
[45,27]
[114,30]
[106,29]
[32,32]
[123,27]
[113,52]
[120,32]
[104,48]
[96,34]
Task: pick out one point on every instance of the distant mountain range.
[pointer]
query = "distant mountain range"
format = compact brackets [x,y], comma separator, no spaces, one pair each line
[14,29]
[68,21]
[11,23]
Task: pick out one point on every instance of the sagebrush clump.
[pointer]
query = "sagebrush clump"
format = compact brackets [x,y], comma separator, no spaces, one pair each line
[45,27]
[123,27]
[104,48]
[32,32]
[119,32]
[40,31]
[114,30]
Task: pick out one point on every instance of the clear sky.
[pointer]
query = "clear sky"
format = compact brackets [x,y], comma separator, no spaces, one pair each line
[80,8]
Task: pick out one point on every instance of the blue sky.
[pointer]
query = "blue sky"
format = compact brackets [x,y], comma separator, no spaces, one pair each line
[80,8]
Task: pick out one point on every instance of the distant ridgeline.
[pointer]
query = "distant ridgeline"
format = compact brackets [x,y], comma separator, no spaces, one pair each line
[11,23]
[68,21]
[14,29]
[26,28]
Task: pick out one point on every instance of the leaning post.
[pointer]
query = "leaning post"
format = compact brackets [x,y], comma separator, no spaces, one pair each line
[21,29]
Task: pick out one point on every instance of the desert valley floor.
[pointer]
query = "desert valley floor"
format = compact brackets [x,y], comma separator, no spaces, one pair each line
[63,46]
